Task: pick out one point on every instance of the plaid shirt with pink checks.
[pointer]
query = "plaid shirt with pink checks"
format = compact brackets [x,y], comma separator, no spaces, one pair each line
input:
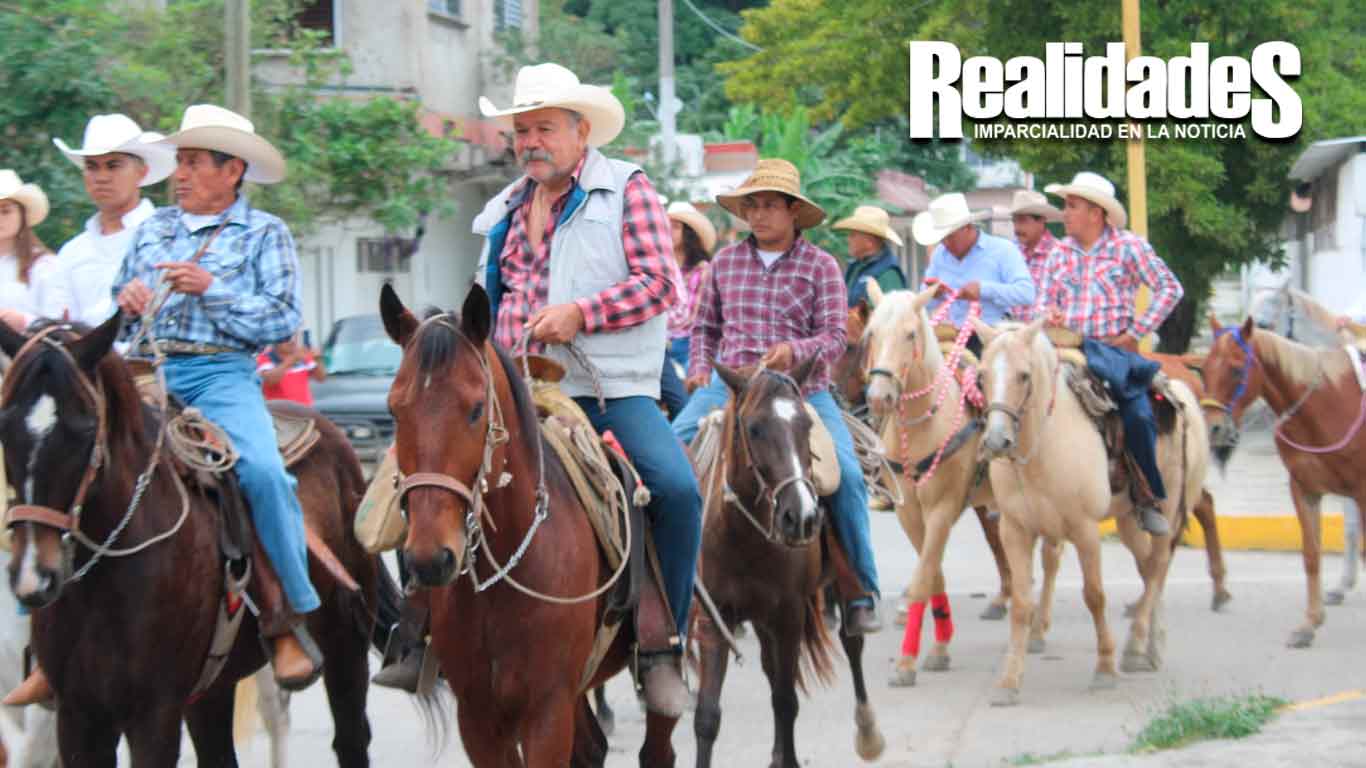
[1095,289]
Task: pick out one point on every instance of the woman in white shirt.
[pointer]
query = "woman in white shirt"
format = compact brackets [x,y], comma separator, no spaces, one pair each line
[28,270]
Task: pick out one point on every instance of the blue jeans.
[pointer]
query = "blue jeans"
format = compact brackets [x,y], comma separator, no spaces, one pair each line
[1128,376]
[671,390]
[675,510]
[679,348]
[227,390]
[850,502]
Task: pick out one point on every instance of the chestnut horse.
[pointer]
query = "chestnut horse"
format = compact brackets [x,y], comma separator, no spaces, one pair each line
[762,561]
[124,644]
[1319,409]
[487,499]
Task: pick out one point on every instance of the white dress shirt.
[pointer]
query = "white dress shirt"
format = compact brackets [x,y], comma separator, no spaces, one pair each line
[89,262]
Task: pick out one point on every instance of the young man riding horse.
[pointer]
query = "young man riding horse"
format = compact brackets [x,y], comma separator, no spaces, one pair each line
[1090,286]
[233,281]
[579,251]
[777,300]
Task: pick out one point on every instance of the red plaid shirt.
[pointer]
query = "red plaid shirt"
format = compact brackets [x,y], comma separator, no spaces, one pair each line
[1036,258]
[746,308]
[649,289]
[1095,289]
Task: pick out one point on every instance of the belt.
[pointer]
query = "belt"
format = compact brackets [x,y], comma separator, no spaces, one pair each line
[175,347]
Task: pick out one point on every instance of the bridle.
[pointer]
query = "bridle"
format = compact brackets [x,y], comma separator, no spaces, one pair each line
[1243,372]
[768,494]
[1016,414]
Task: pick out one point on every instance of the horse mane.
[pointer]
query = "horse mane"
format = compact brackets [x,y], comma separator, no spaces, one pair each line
[1300,363]
[891,314]
[521,399]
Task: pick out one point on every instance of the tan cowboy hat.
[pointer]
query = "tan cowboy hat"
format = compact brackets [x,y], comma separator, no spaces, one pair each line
[689,216]
[1097,189]
[871,220]
[946,214]
[1027,201]
[775,175]
[540,86]
[206,126]
[118,133]
[30,196]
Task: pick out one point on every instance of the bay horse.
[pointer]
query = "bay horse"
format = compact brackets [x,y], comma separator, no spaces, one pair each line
[762,561]
[1319,409]
[483,490]
[125,647]
[1050,476]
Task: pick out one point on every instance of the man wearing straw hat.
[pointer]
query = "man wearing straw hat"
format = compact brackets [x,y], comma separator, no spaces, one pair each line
[870,253]
[1090,285]
[1029,215]
[979,266]
[579,251]
[775,299]
[117,159]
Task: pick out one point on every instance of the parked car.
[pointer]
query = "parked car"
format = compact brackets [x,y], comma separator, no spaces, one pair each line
[361,362]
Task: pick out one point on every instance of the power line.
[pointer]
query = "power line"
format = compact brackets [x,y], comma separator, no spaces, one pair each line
[724,32]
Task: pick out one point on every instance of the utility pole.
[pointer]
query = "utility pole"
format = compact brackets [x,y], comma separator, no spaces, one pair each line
[1138,172]
[237,61]
[667,118]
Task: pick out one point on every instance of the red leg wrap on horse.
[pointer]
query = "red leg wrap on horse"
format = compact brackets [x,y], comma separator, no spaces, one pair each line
[943,618]
[915,621]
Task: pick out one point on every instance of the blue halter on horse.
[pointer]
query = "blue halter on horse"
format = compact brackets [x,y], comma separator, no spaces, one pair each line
[1249,359]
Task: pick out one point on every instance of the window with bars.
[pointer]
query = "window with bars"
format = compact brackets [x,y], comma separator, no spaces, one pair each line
[385,255]
[507,14]
[448,7]
[320,15]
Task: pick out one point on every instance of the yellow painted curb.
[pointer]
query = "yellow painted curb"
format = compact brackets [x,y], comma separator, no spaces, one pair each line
[1277,534]
[1337,698]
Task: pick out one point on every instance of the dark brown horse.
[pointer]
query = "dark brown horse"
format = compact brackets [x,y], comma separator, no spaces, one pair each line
[125,645]
[762,561]
[483,490]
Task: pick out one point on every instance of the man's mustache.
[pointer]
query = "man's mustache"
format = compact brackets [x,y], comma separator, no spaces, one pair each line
[535,154]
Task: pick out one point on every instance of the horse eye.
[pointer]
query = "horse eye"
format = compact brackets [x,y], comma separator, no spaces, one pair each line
[1024,377]
[476,412]
[755,430]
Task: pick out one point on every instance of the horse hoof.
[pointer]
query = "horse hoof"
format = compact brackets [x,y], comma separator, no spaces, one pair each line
[1104,681]
[869,742]
[936,662]
[1005,697]
[994,612]
[1334,597]
[1221,599]
[902,678]
[1301,638]
[1130,610]
[1136,662]
[1036,645]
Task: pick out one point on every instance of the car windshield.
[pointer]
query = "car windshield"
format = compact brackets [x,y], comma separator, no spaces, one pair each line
[359,345]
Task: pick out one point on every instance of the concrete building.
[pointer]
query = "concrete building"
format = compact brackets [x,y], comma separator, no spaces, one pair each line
[1326,241]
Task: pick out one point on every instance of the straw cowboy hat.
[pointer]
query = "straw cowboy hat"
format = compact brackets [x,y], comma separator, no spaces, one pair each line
[1031,203]
[689,216]
[30,196]
[118,133]
[1097,189]
[540,86]
[946,214]
[871,220]
[206,126]
[775,175]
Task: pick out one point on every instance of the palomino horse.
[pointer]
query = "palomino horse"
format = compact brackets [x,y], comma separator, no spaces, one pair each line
[488,499]
[1050,477]
[762,561]
[903,361]
[1319,409]
[125,647]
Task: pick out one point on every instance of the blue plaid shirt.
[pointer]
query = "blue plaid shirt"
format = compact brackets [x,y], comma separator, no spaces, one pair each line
[254,298]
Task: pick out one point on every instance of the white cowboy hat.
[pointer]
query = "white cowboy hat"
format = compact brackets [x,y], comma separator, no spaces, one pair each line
[1097,189]
[206,126]
[689,216]
[540,86]
[775,175]
[871,220]
[946,214]
[118,133]
[30,196]
[1032,203]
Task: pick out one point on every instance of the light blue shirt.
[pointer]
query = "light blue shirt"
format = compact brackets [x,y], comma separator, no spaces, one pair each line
[993,262]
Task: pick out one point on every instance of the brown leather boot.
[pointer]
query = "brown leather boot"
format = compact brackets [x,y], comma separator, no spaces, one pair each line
[407,647]
[295,668]
[36,689]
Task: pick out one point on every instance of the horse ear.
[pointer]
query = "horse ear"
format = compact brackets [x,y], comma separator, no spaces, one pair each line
[874,292]
[91,348]
[923,298]
[1031,331]
[1214,324]
[862,311]
[475,315]
[733,378]
[1248,325]
[10,340]
[399,323]
[984,332]
[802,371]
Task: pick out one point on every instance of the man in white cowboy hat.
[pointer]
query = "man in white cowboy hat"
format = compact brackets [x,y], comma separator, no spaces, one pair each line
[1029,215]
[578,250]
[229,276]
[117,159]
[870,235]
[979,265]
[1090,285]
[777,300]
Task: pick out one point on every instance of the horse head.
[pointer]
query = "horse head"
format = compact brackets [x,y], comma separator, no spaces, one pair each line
[445,407]
[1017,367]
[54,430]
[901,349]
[1295,315]
[848,377]
[772,467]
[1233,381]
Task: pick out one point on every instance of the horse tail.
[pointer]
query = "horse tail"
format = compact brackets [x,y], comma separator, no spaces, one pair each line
[817,657]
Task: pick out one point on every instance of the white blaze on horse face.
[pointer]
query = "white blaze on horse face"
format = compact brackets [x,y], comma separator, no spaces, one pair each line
[999,372]
[803,490]
[29,582]
[41,418]
[785,409]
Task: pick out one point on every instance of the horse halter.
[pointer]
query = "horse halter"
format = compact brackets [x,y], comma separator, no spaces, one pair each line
[1016,414]
[768,493]
[1243,372]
